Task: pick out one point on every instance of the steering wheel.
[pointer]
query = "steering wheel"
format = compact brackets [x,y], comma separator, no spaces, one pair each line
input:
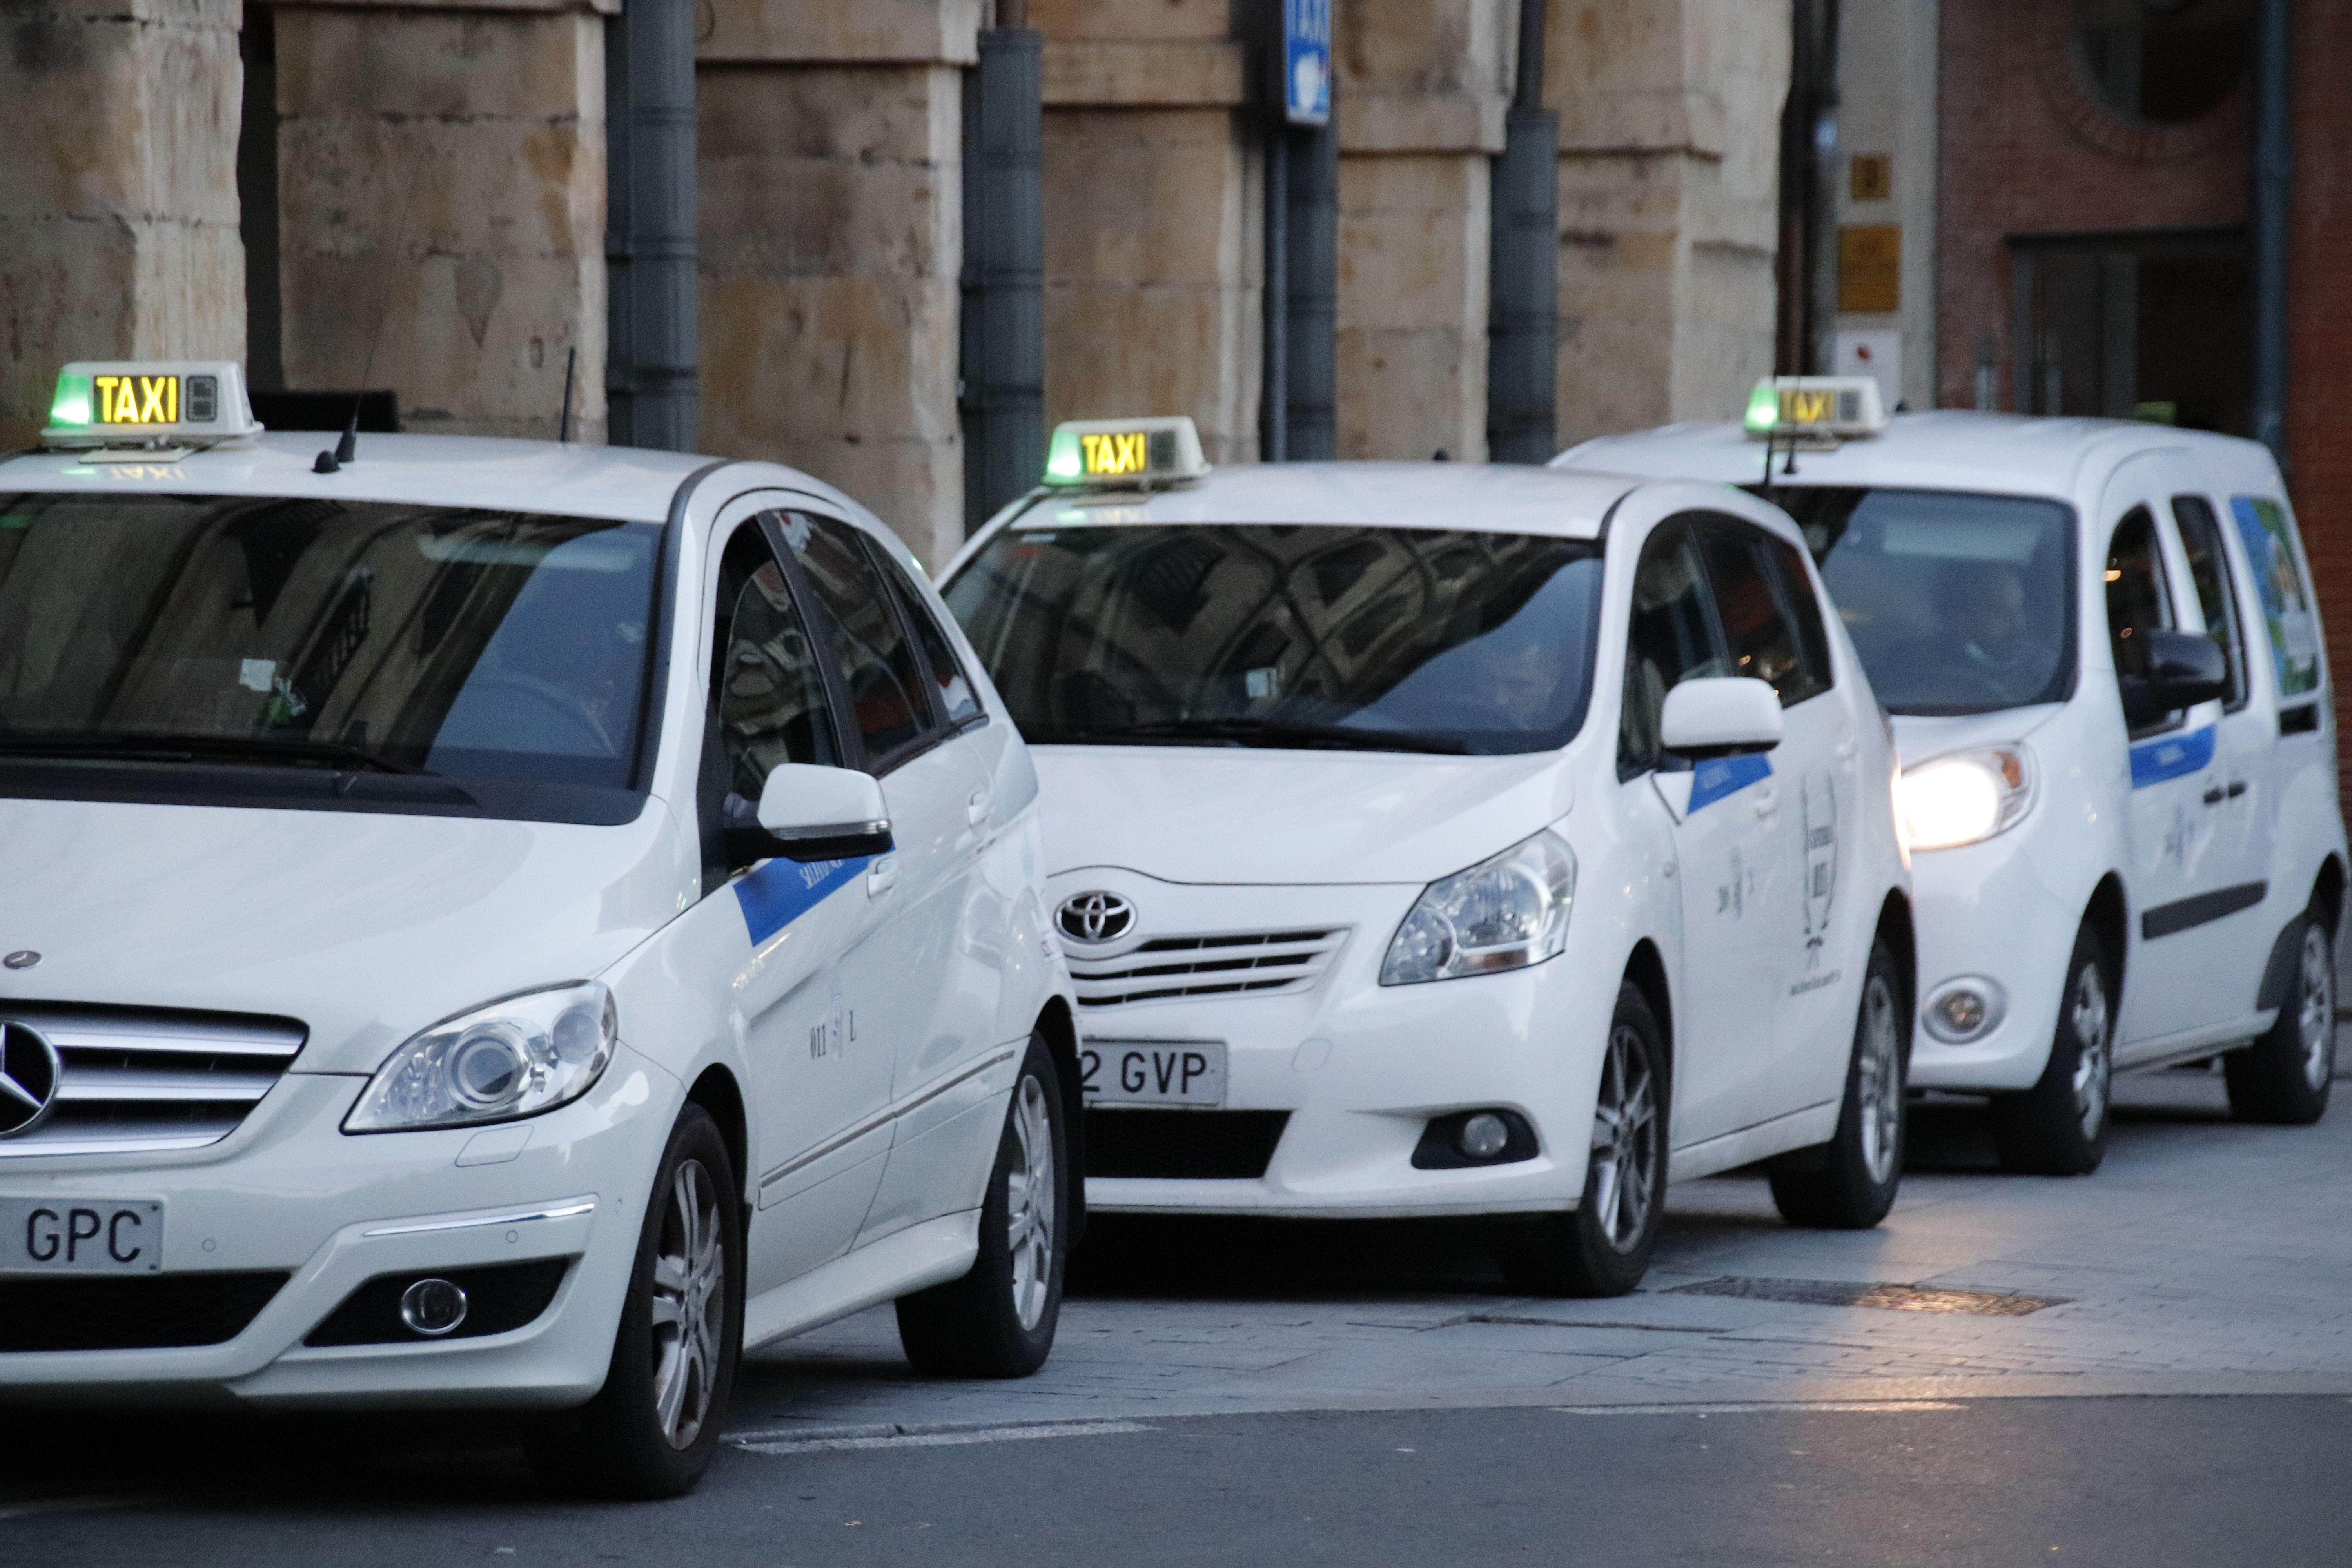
[550,696]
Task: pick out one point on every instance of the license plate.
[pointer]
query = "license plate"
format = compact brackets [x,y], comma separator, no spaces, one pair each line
[1153,1072]
[85,1236]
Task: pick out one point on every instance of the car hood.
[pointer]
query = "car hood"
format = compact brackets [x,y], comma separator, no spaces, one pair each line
[365,927]
[1246,815]
[1918,737]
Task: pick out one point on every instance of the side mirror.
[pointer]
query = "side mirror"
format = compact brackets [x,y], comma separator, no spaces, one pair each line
[810,812]
[2183,670]
[1720,716]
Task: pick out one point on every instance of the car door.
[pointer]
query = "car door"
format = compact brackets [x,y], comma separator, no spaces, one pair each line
[1720,816]
[817,1136]
[1774,631]
[911,1010]
[2178,883]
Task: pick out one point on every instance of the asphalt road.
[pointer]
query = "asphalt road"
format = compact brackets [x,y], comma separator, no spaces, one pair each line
[2135,1482]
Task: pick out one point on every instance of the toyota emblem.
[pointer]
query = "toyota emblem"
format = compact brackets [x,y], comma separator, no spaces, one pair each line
[1095,916]
[28,1077]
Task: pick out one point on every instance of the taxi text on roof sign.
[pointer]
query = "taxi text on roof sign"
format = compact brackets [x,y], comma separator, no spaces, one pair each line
[100,404]
[1127,453]
[1828,406]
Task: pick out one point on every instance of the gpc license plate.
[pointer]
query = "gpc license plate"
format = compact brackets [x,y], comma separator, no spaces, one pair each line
[1153,1072]
[92,1235]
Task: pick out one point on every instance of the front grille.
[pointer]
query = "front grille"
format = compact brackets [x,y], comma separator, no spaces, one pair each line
[1183,1146]
[502,1297]
[141,1081]
[158,1311]
[1205,966]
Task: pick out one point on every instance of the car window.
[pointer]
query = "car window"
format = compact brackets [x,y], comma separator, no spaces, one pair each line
[2137,600]
[1672,639]
[879,674]
[1759,631]
[956,699]
[2269,538]
[767,700]
[1795,585]
[2208,567]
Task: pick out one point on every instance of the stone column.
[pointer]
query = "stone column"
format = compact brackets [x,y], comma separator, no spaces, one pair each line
[832,243]
[441,201]
[1669,152]
[1154,255]
[118,195]
[1422,93]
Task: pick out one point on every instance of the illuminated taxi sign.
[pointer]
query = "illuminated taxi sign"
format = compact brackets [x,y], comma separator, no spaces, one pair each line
[1833,406]
[100,404]
[1138,453]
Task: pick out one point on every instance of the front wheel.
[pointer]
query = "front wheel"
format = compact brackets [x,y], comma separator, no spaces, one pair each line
[1850,1184]
[2059,1127]
[1604,1247]
[652,1429]
[2282,1077]
[998,1320]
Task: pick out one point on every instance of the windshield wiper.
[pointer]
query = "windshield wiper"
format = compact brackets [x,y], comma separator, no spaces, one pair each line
[1274,733]
[206,748]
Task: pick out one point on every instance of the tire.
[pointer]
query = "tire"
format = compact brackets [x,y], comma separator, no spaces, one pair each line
[998,1320]
[2059,1127]
[652,1429]
[2282,1077]
[1852,1180]
[1603,1247]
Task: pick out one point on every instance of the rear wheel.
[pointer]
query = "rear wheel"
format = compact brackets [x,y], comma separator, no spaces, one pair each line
[998,1320]
[1852,1181]
[2282,1077]
[2059,1127]
[1604,1247]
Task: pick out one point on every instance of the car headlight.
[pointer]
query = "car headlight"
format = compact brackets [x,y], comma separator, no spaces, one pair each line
[510,1058]
[1964,797]
[1503,913]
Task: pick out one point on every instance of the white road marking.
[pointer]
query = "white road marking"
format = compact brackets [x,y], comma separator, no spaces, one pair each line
[765,1443]
[1842,1406]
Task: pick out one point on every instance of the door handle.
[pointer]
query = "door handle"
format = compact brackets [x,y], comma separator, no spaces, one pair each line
[1847,750]
[976,809]
[881,876]
[2237,788]
[2213,796]
[1768,803]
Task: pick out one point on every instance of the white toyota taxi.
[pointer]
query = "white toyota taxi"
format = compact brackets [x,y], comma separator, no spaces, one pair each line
[2110,693]
[1440,839]
[499,923]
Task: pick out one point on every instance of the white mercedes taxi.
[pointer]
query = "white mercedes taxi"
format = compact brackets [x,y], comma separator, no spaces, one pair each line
[499,923]
[1451,840]
[2110,692]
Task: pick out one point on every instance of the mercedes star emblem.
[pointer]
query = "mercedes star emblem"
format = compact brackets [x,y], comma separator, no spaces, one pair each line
[1095,916]
[23,958]
[28,1077]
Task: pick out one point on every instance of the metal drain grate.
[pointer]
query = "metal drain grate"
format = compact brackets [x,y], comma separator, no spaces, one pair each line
[1890,1297]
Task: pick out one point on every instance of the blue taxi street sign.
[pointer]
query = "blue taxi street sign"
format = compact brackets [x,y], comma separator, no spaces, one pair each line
[1307,61]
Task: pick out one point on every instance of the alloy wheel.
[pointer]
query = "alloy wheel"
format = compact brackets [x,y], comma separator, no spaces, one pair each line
[1879,1064]
[2093,1061]
[2318,1013]
[1625,1141]
[689,1305]
[1030,1204]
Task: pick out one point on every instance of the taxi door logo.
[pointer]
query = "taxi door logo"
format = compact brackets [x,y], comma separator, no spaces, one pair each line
[1817,820]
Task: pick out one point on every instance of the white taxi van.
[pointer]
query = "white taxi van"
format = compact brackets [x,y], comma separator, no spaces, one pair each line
[499,923]
[1440,839]
[2100,647]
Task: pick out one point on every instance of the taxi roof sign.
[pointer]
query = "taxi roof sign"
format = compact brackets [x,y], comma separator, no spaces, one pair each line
[110,403]
[1134,454]
[1837,407]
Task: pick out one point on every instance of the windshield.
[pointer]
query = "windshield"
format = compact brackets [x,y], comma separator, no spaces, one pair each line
[148,630]
[1957,603]
[1361,638]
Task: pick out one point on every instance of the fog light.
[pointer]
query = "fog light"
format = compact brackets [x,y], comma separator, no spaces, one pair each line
[1965,1009]
[1483,1136]
[432,1306]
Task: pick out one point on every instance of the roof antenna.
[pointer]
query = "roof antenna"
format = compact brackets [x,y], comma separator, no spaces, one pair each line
[563,425]
[347,447]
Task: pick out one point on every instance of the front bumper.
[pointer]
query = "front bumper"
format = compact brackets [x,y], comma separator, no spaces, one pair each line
[1990,910]
[290,1193]
[1361,1069]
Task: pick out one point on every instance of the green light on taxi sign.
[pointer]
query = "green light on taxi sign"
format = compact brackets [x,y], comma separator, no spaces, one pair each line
[71,405]
[1064,463]
[1763,408]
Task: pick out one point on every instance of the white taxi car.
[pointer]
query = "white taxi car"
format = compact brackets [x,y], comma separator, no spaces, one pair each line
[499,923]
[1438,839]
[2110,692]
